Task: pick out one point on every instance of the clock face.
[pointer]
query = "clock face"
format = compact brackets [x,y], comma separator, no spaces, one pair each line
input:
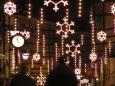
[18,41]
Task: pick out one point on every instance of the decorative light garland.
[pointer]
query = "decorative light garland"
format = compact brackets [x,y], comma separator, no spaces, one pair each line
[79,8]
[9,8]
[19,57]
[82,39]
[56,8]
[101,36]
[56,52]
[36,56]
[101,65]
[48,66]
[62,45]
[109,46]
[13,60]
[113,9]
[114,26]
[41,16]
[80,62]
[29,10]
[75,50]
[105,58]
[67,30]
[44,43]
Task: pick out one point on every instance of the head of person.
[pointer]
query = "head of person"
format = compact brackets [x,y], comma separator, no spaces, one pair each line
[24,67]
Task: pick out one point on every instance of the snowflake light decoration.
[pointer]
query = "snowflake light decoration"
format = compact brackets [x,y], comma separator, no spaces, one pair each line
[113,9]
[93,56]
[56,8]
[36,57]
[73,49]
[9,8]
[41,79]
[26,34]
[101,36]
[64,31]
[77,71]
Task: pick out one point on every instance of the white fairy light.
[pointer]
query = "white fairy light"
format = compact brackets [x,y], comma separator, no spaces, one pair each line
[67,30]
[32,63]
[82,39]
[114,26]
[113,9]
[79,8]
[75,60]
[105,57]
[44,43]
[101,70]
[15,24]
[9,8]
[8,36]
[56,8]
[29,10]
[80,62]
[73,51]
[85,68]
[19,57]
[48,66]
[41,15]
[36,56]
[56,52]
[93,56]
[95,69]
[109,46]
[62,45]
[101,36]
[13,60]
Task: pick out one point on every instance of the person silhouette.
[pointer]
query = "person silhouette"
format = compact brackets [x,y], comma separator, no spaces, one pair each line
[22,79]
[61,75]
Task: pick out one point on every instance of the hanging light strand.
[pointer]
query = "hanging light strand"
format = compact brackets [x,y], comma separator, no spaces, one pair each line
[29,10]
[41,15]
[105,58]
[44,43]
[13,60]
[38,33]
[56,52]
[80,8]
[82,39]
[109,46]
[15,24]
[19,57]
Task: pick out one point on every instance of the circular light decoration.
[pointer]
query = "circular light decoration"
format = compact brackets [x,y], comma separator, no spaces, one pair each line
[93,56]
[101,36]
[77,71]
[113,9]
[9,8]
[36,57]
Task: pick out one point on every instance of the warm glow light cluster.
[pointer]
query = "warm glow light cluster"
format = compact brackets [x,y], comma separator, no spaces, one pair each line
[36,57]
[56,8]
[93,56]
[77,71]
[101,36]
[64,31]
[113,9]
[9,8]
[74,50]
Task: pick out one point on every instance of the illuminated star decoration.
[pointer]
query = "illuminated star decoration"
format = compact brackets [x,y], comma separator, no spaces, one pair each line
[9,8]
[113,9]
[64,30]
[56,8]
[41,79]
[77,71]
[93,56]
[73,49]
[101,36]
[36,57]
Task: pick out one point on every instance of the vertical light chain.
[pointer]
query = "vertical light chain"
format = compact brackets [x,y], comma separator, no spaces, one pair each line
[32,63]
[79,8]
[13,60]
[19,57]
[82,39]
[56,52]
[15,24]
[38,33]
[101,65]
[95,69]
[41,15]
[109,46]
[8,36]
[105,58]
[67,14]
[114,26]
[80,62]
[44,43]
[48,66]
[52,63]
[29,10]
[75,63]
[62,45]
[85,68]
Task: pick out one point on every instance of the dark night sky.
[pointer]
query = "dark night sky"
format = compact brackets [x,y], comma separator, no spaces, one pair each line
[50,15]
